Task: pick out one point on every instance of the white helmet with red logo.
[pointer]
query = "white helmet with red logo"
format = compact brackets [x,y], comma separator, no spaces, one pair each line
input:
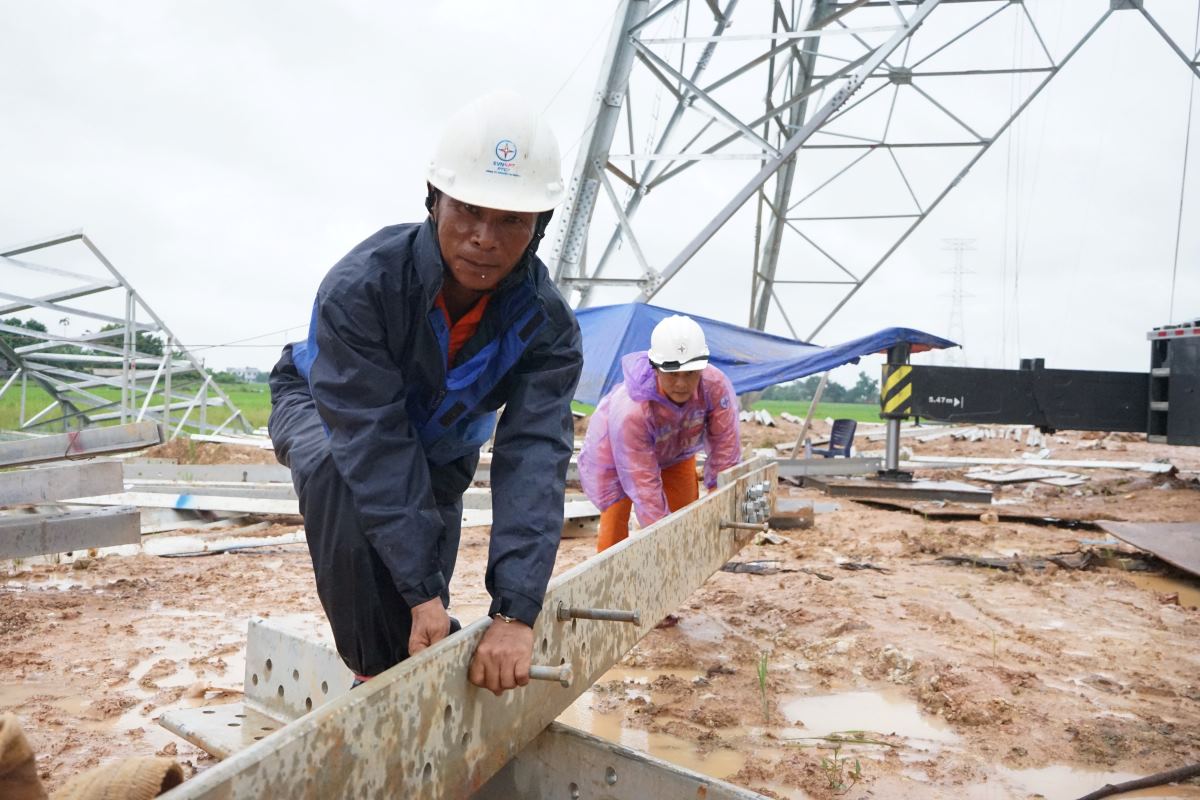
[677,345]
[496,152]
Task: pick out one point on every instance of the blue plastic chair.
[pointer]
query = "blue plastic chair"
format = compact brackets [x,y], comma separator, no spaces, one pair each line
[841,438]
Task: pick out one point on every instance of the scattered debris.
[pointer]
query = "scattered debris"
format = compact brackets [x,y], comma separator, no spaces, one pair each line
[1022,475]
[1084,559]
[762,567]
[855,566]
[759,417]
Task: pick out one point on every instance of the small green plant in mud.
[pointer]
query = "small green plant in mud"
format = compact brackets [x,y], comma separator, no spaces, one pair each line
[841,773]
[762,686]
[837,770]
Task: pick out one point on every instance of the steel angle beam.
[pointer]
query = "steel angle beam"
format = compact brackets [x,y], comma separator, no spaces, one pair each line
[81,444]
[942,462]
[59,482]
[577,516]
[261,491]
[24,535]
[288,673]
[566,762]
[229,473]
[483,472]
[421,730]
[195,502]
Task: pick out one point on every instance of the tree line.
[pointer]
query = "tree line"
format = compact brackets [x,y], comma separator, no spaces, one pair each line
[866,390]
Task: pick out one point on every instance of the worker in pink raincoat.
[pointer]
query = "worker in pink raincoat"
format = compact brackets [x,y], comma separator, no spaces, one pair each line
[641,444]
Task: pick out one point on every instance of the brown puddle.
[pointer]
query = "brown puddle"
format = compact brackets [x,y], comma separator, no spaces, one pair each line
[1065,783]
[888,713]
[1188,590]
[720,763]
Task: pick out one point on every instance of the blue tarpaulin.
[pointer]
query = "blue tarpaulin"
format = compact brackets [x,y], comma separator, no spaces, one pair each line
[753,360]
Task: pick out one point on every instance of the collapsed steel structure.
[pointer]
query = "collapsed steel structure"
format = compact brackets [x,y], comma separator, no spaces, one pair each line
[102,375]
[816,100]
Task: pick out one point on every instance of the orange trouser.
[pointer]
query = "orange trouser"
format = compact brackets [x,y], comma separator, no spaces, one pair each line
[680,486]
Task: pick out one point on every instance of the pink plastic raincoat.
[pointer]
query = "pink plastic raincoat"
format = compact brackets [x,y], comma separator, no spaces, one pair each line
[636,432]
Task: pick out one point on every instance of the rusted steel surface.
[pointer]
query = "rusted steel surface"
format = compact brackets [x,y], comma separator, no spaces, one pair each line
[1177,543]
[421,730]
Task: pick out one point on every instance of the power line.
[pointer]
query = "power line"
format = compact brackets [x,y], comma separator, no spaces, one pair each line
[1187,144]
[239,342]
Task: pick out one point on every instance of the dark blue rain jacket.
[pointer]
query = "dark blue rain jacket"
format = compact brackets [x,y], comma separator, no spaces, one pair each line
[405,431]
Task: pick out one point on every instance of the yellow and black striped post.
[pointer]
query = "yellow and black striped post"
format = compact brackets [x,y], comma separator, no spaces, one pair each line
[895,398]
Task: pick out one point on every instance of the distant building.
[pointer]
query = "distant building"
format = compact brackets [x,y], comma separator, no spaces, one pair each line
[247,374]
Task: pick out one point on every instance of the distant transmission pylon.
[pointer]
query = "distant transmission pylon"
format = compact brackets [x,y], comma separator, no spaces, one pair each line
[956,330]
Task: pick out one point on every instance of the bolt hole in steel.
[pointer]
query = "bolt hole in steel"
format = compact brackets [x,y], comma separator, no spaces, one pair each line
[545,646]
[574,789]
[280,690]
[308,704]
[233,724]
[240,716]
[466,738]
[610,776]
[208,711]
[427,772]
[258,738]
[574,625]
[266,729]
[324,687]
[446,713]
[295,674]
[254,679]
[269,665]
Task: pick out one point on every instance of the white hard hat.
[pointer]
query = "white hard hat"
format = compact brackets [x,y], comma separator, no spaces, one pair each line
[497,153]
[677,345]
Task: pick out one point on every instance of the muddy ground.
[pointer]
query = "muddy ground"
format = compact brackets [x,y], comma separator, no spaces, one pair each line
[946,681]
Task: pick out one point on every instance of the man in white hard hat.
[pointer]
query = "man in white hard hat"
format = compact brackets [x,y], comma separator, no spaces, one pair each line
[418,336]
[642,440]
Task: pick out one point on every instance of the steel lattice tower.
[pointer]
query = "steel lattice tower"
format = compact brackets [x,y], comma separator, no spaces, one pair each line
[763,122]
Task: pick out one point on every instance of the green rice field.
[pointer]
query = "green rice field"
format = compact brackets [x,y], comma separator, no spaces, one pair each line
[254,399]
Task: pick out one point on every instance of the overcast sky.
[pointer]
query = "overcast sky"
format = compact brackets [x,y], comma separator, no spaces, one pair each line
[225,154]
